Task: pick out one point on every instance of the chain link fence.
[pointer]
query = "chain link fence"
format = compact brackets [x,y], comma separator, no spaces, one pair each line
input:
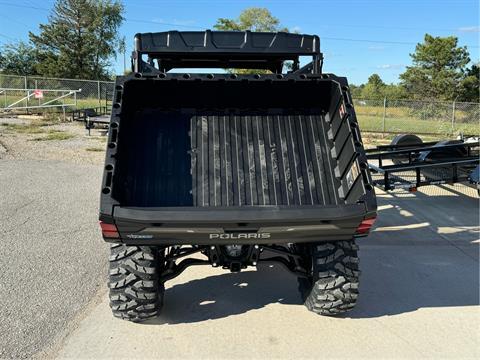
[92,93]
[418,117]
[382,116]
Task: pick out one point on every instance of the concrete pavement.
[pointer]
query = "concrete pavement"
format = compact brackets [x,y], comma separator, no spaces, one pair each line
[419,299]
[52,259]
[419,288]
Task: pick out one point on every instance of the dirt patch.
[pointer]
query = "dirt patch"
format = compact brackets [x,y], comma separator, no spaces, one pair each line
[50,140]
[371,140]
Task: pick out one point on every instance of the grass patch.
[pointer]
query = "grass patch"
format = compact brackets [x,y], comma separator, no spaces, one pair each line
[94,149]
[24,128]
[51,119]
[408,125]
[55,135]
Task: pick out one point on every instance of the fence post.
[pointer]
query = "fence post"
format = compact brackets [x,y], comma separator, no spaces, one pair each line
[384,114]
[98,94]
[28,92]
[36,88]
[453,116]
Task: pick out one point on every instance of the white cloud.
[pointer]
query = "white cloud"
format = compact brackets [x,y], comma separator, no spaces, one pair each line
[469,29]
[296,29]
[178,22]
[376,47]
[330,54]
[390,66]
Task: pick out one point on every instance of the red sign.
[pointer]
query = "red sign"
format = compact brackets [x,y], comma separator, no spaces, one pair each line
[38,94]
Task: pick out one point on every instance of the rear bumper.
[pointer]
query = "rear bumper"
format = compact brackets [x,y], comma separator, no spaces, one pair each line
[240,225]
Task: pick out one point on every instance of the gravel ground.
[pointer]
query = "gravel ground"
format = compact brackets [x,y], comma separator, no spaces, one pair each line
[20,142]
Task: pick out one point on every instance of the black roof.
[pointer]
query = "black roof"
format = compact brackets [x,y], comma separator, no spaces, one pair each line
[228,42]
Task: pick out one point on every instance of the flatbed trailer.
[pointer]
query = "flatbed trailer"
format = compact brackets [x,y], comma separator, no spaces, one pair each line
[92,117]
[410,166]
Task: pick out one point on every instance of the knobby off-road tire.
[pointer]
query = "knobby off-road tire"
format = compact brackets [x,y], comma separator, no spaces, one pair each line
[135,292]
[333,286]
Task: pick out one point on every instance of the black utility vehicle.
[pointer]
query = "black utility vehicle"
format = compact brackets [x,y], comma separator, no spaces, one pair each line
[231,170]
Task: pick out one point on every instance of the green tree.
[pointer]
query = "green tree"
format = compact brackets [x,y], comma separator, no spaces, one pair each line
[395,92]
[80,39]
[18,59]
[438,69]
[374,88]
[253,19]
[356,91]
[470,84]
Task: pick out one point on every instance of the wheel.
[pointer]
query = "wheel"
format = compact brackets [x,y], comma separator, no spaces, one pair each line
[404,140]
[332,288]
[135,292]
[445,154]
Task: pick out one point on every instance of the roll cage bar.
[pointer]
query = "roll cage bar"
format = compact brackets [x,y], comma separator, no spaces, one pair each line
[163,51]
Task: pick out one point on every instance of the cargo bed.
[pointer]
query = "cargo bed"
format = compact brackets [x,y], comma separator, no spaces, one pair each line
[213,159]
[186,144]
[191,155]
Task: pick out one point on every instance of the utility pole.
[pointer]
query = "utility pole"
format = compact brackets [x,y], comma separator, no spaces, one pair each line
[123,49]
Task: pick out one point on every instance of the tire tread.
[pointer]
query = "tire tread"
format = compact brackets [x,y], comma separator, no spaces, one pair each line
[135,292]
[333,288]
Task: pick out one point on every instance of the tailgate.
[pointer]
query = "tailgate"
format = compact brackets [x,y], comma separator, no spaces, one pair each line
[271,224]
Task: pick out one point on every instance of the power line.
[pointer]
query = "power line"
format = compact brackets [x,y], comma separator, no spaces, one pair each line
[24,6]
[321,37]
[7,37]
[165,23]
[387,27]
[207,27]
[379,41]
[9,18]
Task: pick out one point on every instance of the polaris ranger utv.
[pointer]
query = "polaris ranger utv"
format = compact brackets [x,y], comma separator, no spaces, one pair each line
[231,170]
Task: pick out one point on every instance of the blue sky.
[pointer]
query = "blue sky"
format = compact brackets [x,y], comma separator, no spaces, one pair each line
[358,38]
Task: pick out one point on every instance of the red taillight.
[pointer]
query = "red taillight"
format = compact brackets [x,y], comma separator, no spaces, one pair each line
[109,230]
[365,225]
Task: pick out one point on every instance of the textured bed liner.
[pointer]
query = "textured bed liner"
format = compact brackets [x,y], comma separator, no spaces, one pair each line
[178,159]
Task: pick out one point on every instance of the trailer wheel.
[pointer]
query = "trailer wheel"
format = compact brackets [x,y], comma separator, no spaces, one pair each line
[404,140]
[135,292]
[444,153]
[332,288]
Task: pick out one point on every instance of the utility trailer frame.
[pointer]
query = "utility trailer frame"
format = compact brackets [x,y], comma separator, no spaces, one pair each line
[428,163]
[92,117]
